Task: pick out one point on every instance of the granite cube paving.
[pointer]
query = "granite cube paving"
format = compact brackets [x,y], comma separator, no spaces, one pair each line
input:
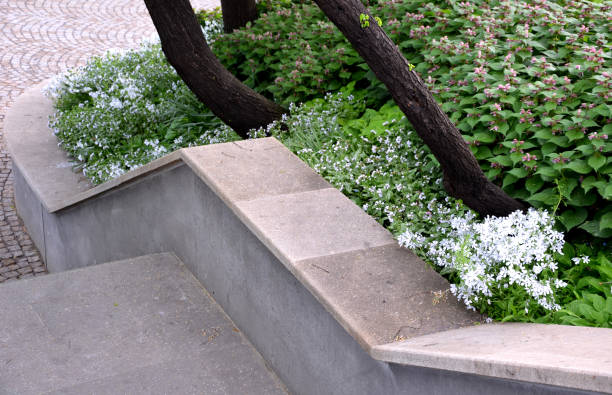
[139,326]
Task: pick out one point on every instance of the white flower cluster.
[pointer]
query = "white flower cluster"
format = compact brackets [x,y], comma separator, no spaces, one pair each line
[211,29]
[498,253]
[115,113]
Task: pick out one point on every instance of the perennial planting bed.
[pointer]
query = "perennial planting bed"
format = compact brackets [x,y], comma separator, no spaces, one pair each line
[528,86]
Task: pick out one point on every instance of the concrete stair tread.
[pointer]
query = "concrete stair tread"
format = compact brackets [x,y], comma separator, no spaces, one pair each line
[142,325]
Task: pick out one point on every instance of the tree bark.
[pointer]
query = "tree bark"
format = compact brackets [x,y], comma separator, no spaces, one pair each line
[236,13]
[187,51]
[463,177]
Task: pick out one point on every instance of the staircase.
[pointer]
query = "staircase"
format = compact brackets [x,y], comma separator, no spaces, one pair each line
[138,326]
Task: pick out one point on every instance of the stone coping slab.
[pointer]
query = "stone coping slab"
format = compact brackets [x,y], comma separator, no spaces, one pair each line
[380,293]
[139,326]
[566,356]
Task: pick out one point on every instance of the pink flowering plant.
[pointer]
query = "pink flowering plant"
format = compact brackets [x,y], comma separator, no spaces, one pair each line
[527,83]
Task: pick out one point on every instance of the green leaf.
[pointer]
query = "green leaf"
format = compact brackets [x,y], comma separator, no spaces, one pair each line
[519,172]
[483,153]
[572,218]
[502,160]
[602,110]
[521,127]
[607,129]
[604,267]
[548,148]
[574,135]
[534,183]
[597,301]
[593,228]
[484,137]
[561,141]
[605,222]
[592,282]
[587,311]
[579,166]
[608,308]
[544,134]
[547,171]
[591,182]
[571,320]
[566,186]
[548,196]
[492,173]
[509,179]
[608,192]
[549,106]
[586,149]
[580,199]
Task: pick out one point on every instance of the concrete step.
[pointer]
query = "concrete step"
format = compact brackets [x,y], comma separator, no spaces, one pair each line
[137,326]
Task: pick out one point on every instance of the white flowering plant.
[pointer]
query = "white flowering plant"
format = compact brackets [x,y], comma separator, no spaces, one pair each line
[505,267]
[126,108]
[497,259]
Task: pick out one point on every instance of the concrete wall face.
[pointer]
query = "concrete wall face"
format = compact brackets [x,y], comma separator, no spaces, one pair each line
[128,222]
[30,209]
[175,211]
[306,346]
[418,380]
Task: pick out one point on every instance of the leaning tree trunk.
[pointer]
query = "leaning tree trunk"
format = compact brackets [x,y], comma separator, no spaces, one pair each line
[463,177]
[236,13]
[187,51]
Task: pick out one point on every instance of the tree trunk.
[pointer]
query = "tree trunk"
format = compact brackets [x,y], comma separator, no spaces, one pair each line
[236,13]
[187,51]
[463,177]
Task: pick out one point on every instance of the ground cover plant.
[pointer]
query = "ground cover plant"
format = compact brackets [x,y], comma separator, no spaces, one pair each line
[528,84]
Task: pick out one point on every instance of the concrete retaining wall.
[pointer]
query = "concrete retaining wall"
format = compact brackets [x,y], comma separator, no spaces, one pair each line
[319,288]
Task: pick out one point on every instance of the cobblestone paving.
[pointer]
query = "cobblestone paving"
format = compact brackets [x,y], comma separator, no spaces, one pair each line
[38,39]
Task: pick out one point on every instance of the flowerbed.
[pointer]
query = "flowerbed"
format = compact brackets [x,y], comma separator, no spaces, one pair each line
[528,87]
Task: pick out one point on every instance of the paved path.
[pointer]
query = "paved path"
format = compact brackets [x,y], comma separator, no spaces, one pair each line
[38,39]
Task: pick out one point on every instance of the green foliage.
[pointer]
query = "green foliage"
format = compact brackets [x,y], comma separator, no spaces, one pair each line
[588,298]
[529,87]
[292,53]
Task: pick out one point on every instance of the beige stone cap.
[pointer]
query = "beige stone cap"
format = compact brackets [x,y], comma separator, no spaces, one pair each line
[566,356]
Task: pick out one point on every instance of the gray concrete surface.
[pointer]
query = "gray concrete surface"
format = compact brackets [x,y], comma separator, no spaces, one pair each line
[141,326]
[314,324]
